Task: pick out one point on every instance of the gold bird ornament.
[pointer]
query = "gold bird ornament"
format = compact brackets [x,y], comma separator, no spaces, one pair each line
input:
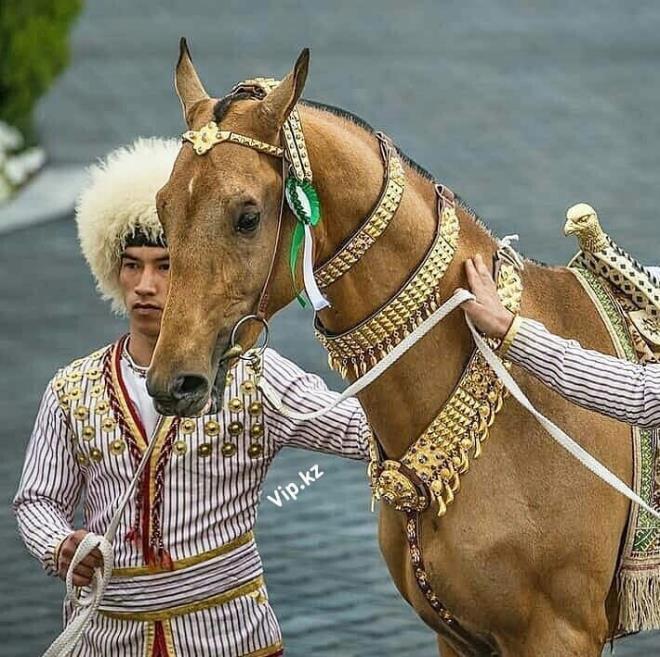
[601,255]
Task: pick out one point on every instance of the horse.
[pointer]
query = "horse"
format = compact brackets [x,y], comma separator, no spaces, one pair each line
[526,557]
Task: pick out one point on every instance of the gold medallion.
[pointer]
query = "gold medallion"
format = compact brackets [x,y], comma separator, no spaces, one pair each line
[188,425]
[81,413]
[102,407]
[109,424]
[257,430]
[255,450]
[212,428]
[235,405]
[204,450]
[180,447]
[255,408]
[117,447]
[228,449]
[235,428]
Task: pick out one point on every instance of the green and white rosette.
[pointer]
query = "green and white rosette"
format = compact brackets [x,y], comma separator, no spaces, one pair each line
[304,203]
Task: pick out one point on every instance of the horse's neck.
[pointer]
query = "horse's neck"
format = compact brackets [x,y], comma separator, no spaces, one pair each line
[348,171]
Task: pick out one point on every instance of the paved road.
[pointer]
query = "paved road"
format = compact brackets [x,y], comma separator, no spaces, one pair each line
[522,109]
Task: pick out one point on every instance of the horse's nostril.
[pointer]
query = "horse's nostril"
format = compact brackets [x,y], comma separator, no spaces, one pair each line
[189,385]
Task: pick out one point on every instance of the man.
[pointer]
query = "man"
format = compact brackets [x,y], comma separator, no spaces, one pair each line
[626,391]
[187,577]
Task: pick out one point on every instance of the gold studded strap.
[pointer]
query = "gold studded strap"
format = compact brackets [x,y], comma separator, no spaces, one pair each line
[294,140]
[374,225]
[358,349]
[204,139]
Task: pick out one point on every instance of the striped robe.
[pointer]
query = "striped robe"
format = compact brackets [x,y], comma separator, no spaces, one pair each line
[626,391]
[187,577]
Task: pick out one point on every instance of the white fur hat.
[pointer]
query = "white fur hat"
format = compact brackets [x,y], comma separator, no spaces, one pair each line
[119,199]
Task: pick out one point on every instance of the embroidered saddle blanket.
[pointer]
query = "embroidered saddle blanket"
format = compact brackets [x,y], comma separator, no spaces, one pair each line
[639,568]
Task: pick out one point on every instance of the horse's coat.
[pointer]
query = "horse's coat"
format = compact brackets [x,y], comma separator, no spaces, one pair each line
[528,554]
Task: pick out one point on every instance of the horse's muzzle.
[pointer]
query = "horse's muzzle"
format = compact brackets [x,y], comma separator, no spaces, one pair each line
[186,396]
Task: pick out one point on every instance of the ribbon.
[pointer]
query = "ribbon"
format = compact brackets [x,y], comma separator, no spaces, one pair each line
[304,203]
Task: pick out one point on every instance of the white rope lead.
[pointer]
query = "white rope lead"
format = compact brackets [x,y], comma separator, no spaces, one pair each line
[587,460]
[86,601]
[459,297]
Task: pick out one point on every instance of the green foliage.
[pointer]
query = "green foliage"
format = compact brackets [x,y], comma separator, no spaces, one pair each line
[33,51]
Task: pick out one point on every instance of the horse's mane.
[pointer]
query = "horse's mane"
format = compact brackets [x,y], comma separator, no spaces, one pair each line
[418,168]
[223,104]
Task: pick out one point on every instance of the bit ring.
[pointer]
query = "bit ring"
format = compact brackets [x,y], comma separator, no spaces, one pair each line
[257,350]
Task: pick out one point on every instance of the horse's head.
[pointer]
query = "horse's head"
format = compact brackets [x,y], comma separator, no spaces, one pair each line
[220,211]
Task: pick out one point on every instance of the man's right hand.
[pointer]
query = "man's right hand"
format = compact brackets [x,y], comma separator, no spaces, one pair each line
[82,575]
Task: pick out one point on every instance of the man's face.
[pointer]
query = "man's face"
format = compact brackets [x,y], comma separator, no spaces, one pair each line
[144,279]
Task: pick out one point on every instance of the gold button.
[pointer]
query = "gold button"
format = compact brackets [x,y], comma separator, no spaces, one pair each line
[75,393]
[255,408]
[188,425]
[95,454]
[102,407]
[81,413]
[255,450]
[229,378]
[88,433]
[59,384]
[211,428]
[96,390]
[93,375]
[117,447]
[205,449]
[228,449]
[257,430]
[248,386]
[180,447]
[73,377]
[235,428]
[109,424]
[235,404]
[82,458]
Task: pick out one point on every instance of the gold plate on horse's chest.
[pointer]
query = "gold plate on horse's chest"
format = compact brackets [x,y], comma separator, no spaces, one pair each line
[442,453]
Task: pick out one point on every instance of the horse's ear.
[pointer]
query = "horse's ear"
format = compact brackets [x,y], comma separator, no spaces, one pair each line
[277,105]
[189,87]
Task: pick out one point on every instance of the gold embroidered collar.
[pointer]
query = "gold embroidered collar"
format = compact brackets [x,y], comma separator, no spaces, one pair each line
[374,225]
[360,348]
[431,468]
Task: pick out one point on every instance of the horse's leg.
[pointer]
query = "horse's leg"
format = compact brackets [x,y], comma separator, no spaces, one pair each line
[445,650]
[552,636]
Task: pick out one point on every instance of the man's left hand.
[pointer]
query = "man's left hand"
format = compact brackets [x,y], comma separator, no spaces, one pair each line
[486,311]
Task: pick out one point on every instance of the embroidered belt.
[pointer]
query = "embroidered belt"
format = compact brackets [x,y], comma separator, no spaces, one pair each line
[196,583]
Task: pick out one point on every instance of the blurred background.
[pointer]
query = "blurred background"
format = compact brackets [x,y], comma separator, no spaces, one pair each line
[523,108]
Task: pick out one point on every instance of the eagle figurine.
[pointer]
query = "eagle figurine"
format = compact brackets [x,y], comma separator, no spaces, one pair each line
[601,255]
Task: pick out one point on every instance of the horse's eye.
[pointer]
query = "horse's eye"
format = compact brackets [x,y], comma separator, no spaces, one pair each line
[248,222]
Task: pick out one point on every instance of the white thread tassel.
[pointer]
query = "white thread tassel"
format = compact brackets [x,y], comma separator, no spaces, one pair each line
[314,294]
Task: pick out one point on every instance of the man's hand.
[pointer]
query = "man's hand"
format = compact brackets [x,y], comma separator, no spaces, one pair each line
[84,571]
[486,311]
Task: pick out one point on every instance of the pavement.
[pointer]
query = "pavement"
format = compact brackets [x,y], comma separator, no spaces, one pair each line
[523,108]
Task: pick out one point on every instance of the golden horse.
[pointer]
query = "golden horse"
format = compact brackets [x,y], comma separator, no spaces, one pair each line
[526,558]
